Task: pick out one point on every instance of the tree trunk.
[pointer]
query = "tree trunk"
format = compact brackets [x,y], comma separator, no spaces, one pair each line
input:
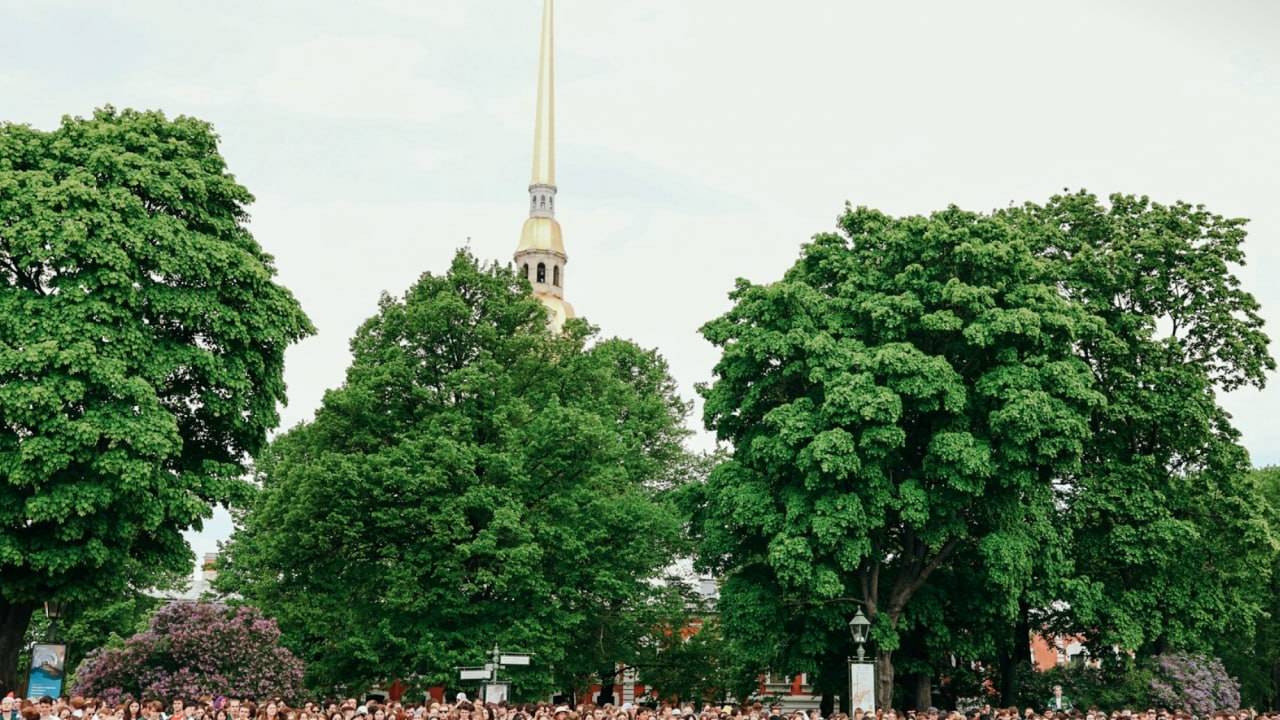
[1004,660]
[13,628]
[827,705]
[921,691]
[831,681]
[1275,685]
[1015,652]
[884,679]
[1021,653]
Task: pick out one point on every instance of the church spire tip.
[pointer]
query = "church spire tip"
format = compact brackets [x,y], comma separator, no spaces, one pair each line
[544,139]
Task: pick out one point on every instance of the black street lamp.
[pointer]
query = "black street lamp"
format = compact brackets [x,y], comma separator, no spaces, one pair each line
[860,628]
[53,610]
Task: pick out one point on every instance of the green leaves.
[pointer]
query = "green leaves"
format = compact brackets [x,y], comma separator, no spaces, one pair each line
[1012,398]
[141,349]
[895,379]
[1158,511]
[477,479]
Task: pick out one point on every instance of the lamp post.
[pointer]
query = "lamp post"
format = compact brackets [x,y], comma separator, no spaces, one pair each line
[862,686]
[860,627]
[53,610]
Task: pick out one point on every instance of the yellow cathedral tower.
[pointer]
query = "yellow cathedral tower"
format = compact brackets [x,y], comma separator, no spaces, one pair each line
[540,255]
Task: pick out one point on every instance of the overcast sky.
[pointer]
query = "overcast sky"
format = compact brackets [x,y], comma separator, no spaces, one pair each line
[699,140]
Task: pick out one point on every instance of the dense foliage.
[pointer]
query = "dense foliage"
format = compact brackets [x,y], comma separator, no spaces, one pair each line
[1170,541]
[478,479]
[1255,659]
[192,650]
[142,341]
[957,421]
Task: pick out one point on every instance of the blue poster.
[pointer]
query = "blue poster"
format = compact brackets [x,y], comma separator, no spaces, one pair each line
[48,663]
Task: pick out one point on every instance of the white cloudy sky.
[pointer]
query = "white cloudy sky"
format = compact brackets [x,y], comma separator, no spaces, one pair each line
[699,140]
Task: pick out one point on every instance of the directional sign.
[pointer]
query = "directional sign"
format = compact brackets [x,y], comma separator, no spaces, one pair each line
[514,660]
[474,674]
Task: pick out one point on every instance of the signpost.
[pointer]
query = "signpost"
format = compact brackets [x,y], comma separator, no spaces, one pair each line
[862,687]
[48,661]
[495,690]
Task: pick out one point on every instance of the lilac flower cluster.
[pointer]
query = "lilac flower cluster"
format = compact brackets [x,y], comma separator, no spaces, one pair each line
[195,649]
[1194,682]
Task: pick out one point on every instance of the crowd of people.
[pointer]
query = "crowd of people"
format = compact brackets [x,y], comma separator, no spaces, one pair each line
[462,708]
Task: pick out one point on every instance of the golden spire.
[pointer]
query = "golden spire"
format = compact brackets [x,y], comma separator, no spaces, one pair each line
[544,134]
[540,256]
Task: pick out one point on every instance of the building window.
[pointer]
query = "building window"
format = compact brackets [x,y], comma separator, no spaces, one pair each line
[542,272]
[555,276]
[526,271]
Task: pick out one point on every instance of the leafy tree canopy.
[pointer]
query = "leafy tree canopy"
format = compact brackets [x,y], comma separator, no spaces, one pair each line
[1170,541]
[1020,406]
[907,391]
[141,352]
[476,480]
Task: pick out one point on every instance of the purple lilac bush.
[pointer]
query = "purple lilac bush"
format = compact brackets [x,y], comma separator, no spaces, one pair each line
[195,649]
[1193,682]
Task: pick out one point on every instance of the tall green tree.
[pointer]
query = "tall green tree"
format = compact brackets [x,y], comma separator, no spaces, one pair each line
[908,391]
[477,479]
[1171,548]
[142,340]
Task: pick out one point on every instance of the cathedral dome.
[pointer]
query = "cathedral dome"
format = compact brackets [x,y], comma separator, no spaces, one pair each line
[541,233]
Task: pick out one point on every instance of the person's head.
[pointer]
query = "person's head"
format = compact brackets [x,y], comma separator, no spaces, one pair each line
[7,704]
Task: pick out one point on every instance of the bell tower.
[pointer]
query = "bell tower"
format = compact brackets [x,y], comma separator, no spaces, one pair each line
[540,256]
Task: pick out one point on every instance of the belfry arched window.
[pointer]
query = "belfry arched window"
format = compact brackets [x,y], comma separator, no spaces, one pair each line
[525,269]
[555,275]
[542,272]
